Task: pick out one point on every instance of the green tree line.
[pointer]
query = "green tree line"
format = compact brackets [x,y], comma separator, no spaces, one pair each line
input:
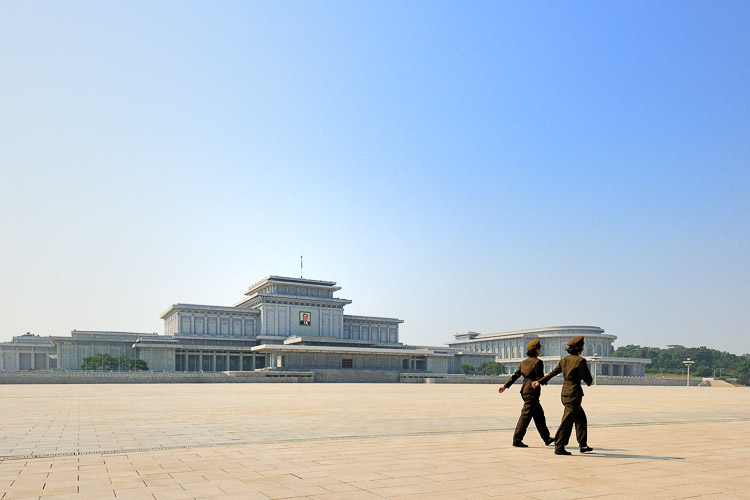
[109,362]
[487,368]
[708,362]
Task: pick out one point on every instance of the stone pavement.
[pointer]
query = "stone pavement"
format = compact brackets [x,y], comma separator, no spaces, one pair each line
[362,441]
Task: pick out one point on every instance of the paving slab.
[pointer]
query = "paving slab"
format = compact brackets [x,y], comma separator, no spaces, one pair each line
[364,441]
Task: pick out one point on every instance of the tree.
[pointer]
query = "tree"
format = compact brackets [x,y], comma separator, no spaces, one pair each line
[669,361]
[106,361]
[140,364]
[98,362]
[467,368]
[89,363]
[491,368]
[703,371]
[743,375]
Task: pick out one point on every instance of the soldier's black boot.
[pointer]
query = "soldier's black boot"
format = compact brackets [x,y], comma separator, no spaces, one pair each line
[549,441]
[561,451]
[586,449]
[519,444]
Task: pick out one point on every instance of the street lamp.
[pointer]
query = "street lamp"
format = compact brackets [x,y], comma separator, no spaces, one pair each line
[594,360]
[688,363]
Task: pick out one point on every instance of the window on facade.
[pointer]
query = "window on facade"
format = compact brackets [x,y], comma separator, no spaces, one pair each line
[347,363]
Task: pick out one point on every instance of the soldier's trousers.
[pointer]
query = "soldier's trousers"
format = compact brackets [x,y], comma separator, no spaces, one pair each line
[573,415]
[531,410]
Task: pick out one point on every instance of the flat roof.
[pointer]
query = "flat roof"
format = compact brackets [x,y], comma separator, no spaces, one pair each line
[331,285]
[203,307]
[345,350]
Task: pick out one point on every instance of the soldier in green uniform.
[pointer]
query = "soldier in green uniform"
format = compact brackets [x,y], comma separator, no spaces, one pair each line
[574,370]
[532,370]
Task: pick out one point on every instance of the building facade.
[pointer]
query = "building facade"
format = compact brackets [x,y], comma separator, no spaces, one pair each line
[299,324]
[509,348]
[281,324]
[27,352]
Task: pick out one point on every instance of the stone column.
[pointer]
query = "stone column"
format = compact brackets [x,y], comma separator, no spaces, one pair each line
[200,361]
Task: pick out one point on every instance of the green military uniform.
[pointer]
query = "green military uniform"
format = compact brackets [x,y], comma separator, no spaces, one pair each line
[574,370]
[532,369]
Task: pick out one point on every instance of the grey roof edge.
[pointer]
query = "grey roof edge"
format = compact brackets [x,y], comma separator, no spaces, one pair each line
[289,280]
[551,329]
[353,350]
[372,318]
[329,300]
[206,307]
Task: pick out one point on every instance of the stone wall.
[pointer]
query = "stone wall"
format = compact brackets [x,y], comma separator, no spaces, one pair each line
[608,380]
[357,376]
[501,379]
[266,376]
[69,377]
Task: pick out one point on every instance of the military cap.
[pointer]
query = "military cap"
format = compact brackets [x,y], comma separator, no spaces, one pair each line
[576,340]
[531,346]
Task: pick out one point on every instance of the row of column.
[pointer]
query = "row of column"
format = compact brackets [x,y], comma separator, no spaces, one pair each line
[212,361]
[232,330]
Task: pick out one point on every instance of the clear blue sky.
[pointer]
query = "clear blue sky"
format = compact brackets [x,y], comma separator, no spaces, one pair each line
[482,166]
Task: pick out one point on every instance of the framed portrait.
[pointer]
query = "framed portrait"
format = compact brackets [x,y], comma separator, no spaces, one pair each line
[304,318]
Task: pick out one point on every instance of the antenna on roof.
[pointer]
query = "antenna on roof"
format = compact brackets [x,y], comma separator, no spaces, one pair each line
[300,267]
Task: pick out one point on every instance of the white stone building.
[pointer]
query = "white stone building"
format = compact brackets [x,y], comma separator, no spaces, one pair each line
[298,324]
[27,352]
[282,323]
[509,348]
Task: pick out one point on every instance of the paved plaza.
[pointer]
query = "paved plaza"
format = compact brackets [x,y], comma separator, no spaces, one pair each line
[364,441]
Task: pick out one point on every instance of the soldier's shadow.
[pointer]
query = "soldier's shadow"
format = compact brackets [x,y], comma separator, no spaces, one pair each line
[605,453]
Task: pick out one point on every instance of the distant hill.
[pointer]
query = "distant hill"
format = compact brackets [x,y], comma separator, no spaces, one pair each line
[707,361]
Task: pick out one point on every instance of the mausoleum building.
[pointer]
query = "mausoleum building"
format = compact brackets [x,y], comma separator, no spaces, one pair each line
[27,352]
[287,323]
[509,348]
[281,323]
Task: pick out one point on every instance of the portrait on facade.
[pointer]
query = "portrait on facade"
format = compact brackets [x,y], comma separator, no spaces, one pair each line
[304,318]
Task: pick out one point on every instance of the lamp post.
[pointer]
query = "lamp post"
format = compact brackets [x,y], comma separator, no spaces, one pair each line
[688,363]
[594,360]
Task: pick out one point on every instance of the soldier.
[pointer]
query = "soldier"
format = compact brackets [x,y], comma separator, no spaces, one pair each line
[532,370]
[574,370]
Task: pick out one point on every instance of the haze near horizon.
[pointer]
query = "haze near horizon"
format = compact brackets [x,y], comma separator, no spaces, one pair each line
[476,167]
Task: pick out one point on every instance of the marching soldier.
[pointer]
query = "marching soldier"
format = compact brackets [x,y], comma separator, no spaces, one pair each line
[532,370]
[574,370]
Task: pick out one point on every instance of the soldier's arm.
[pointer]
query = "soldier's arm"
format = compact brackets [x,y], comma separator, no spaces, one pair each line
[539,369]
[513,378]
[583,369]
[555,372]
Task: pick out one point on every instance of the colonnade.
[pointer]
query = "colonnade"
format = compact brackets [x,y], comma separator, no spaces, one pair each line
[216,361]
